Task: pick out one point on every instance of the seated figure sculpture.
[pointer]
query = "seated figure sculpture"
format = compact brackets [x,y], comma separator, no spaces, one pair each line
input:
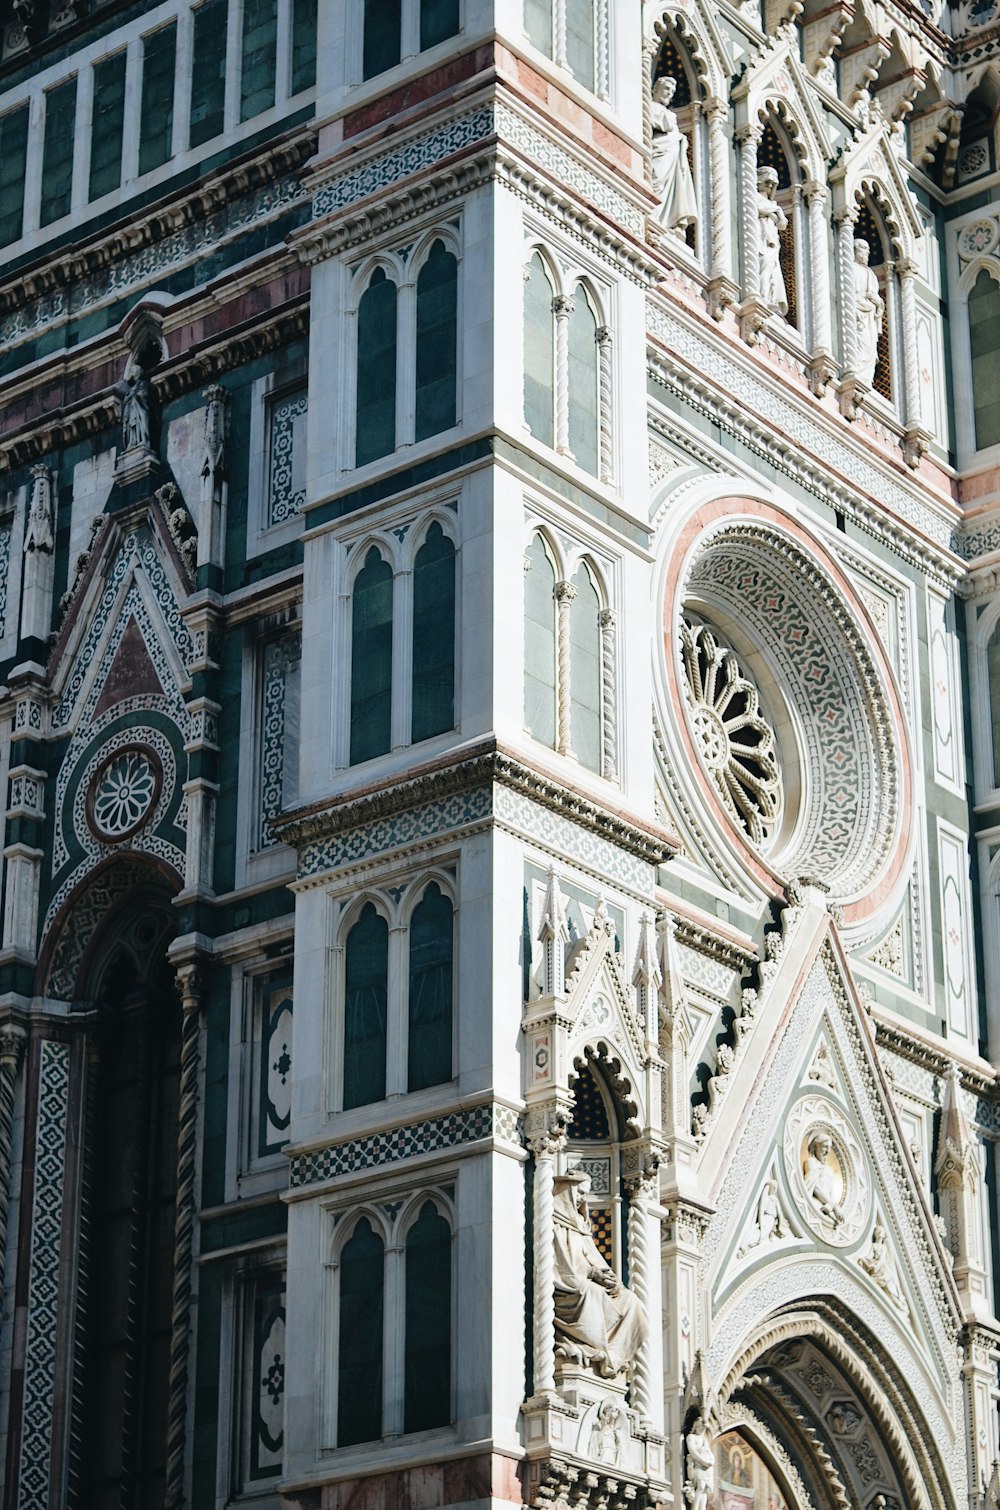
[598,1320]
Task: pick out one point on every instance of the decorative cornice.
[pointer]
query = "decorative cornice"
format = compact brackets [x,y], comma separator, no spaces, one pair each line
[483,765]
[937,1061]
[701,938]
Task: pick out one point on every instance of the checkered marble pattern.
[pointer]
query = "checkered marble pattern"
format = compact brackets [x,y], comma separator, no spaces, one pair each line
[405,1143]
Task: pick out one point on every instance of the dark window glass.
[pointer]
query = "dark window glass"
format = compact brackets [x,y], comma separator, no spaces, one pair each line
[13,156]
[106,126]
[539,353]
[57,158]
[371,659]
[984,339]
[431,948]
[538,24]
[156,127]
[438,20]
[583,384]
[208,72]
[303,45]
[580,40]
[428,1322]
[260,42]
[540,644]
[383,22]
[433,636]
[362,1286]
[376,426]
[437,339]
[366,974]
[585,671]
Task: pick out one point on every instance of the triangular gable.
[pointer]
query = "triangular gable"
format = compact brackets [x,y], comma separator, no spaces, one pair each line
[823,1072]
[869,162]
[132,572]
[776,80]
[598,999]
[699,33]
[131,674]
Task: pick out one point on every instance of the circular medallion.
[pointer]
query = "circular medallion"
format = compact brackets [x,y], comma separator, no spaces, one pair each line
[979,237]
[733,737]
[827,1171]
[123,794]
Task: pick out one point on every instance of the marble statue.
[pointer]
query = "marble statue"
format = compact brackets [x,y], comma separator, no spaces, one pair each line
[822,1184]
[870,307]
[767,1224]
[672,180]
[700,1466]
[135,394]
[598,1320]
[880,1265]
[606,1433]
[771,220]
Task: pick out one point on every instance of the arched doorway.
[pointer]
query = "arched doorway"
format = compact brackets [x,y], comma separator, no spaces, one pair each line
[126,996]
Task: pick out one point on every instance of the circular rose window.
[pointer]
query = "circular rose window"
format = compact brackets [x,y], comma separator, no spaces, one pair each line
[734,738]
[123,793]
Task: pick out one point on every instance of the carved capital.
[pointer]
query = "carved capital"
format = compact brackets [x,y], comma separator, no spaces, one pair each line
[563,306]
[12,1038]
[191,983]
[565,592]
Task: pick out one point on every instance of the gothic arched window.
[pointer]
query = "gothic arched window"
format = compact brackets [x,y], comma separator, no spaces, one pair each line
[362,1305]
[437,336]
[371,659]
[585,670]
[870,227]
[540,644]
[375,431]
[366,981]
[382,30]
[583,382]
[427,1322]
[539,353]
[773,152]
[433,700]
[431,991]
[984,343]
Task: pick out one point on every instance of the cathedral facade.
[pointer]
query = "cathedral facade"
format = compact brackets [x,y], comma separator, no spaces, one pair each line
[500,749]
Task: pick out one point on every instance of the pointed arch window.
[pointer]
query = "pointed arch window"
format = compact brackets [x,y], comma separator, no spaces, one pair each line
[362,1315]
[772,152]
[567,372]
[984,343]
[583,383]
[366,990]
[569,32]
[371,659]
[427,1358]
[993,680]
[431,990]
[375,433]
[394,29]
[869,228]
[585,670]
[437,335]
[540,643]
[433,687]
[539,353]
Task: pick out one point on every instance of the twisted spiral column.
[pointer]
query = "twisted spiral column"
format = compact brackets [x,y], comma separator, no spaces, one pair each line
[190,980]
[718,151]
[609,704]
[544,1149]
[604,340]
[845,221]
[639,1283]
[907,273]
[565,593]
[748,138]
[559,56]
[648,60]
[562,307]
[11,1045]
[816,195]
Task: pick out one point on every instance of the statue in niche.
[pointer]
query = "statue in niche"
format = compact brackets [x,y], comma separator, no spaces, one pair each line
[136,396]
[880,1265]
[822,1181]
[771,220]
[598,1320]
[700,1465]
[768,1224]
[38,533]
[672,180]
[606,1433]
[870,307]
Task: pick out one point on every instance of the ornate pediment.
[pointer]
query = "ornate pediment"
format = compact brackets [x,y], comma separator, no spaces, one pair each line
[869,164]
[776,81]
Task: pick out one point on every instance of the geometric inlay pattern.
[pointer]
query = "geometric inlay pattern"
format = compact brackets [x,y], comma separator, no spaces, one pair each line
[43,1292]
[5,534]
[123,792]
[452,1131]
[284,498]
[281,665]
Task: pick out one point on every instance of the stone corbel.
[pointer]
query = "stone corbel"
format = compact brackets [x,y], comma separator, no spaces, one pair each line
[820,36]
[859,68]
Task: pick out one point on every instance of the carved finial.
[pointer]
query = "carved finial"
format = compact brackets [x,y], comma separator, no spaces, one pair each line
[553,935]
[38,532]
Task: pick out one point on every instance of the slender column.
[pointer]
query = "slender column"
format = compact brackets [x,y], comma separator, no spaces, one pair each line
[908,319]
[816,198]
[747,138]
[605,399]
[640,1282]
[11,1045]
[565,593]
[609,704]
[559,33]
[544,1147]
[845,221]
[602,49]
[191,985]
[562,307]
[716,215]
[648,62]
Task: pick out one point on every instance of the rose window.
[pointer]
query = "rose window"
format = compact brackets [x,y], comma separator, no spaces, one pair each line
[733,736]
[123,794]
